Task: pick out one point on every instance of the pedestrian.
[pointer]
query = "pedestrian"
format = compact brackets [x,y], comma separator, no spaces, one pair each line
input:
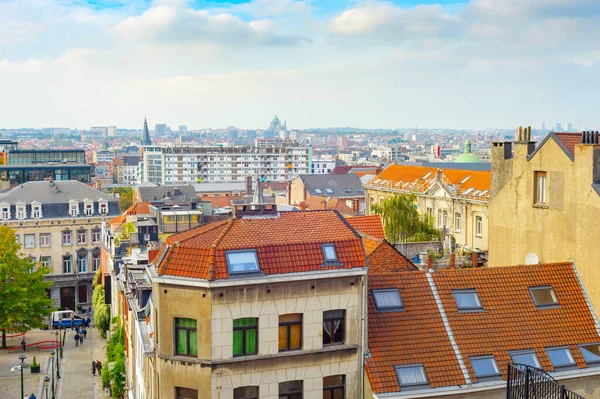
[88,321]
[32,396]
[72,321]
[24,345]
[89,310]
[93,367]
[99,366]
[76,337]
[84,333]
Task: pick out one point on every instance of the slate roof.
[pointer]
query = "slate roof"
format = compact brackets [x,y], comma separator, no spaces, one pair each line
[508,321]
[287,243]
[370,225]
[159,193]
[131,160]
[341,186]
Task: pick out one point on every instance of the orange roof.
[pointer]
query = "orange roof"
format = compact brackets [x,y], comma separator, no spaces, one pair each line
[384,258]
[370,225]
[569,140]
[315,203]
[288,243]
[221,202]
[405,178]
[509,321]
[139,208]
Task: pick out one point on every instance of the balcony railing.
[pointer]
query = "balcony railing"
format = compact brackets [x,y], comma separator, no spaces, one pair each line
[526,382]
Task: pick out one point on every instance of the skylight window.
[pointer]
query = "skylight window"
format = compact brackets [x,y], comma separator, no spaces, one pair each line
[347,190]
[483,193]
[484,366]
[543,297]
[330,191]
[411,375]
[468,191]
[467,299]
[590,352]
[388,300]
[318,191]
[465,180]
[560,357]
[427,175]
[329,253]
[242,261]
[526,357]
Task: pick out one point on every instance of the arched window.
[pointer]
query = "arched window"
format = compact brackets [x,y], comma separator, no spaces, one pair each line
[95,259]
[82,259]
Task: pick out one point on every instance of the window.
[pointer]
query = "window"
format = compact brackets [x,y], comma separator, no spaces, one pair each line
[186,337]
[185,393]
[245,338]
[95,259]
[45,261]
[526,357]
[96,235]
[21,212]
[590,353]
[66,237]
[329,191]
[329,253]
[333,327]
[540,188]
[411,375]
[467,299]
[29,240]
[543,297]
[245,393]
[83,293]
[88,209]
[430,212]
[73,209]
[36,211]
[440,218]
[6,212]
[81,237]
[560,357]
[334,387]
[388,300]
[242,261]
[103,208]
[318,191]
[290,332]
[44,239]
[290,390]
[457,226]
[67,264]
[484,366]
[82,262]
[478,226]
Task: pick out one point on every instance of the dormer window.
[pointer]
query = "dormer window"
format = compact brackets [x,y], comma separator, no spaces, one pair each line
[88,208]
[103,207]
[73,208]
[21,212]
[36,210]
[5,212]
[242,261]
[543,297]
[329,253]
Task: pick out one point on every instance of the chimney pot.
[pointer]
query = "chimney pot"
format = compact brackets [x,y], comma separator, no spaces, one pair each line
[528,133]
[520,133]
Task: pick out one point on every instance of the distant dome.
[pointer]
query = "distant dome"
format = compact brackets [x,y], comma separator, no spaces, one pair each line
[467,156]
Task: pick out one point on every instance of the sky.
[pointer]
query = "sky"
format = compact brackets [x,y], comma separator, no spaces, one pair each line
[374,64]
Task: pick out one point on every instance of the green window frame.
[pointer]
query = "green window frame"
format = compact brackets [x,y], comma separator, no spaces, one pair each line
[245,336]
[186,337]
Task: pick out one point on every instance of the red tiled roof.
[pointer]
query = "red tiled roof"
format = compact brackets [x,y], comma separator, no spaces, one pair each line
[315,203]
[509,321]
[370,225]
[569,140]
[139,208]
[384,258]
[288,243]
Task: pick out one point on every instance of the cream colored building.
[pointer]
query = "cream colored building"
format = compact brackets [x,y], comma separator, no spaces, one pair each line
[265,306]
[456,199]
[545,202]
[58,224]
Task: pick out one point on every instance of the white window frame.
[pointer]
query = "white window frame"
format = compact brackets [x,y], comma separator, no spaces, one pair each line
[5,212]
[478,226]
[49,261]
[96,234]
[403,384]
[541,191]
[28,240]
[70,236]
[88,208]
[457,222]
[43,237]
[103,207]
[84,233]
[21,212]
[36,211]
[73,209]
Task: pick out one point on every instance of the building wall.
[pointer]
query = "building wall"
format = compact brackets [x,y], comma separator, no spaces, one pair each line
[297,191]
[560,231]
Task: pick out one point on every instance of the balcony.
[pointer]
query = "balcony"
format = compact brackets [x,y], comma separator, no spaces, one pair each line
[526,382]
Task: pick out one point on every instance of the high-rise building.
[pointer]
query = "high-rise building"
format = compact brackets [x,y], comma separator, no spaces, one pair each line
[111,131]
[569,126]
[183,128]
[559,127]
[160,130]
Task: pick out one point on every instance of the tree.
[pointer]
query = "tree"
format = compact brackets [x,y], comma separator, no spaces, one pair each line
[101,310]
[125,197]
[24,303]
[400,217]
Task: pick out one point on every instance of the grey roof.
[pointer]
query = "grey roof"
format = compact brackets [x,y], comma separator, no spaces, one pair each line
[336,186]
[219,187]
[159,193]
[131,160]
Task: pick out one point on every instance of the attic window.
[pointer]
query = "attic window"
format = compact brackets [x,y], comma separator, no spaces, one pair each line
[329,253]
[242,261]
[36,211]
[412,375]
[388,300]
[5,212]
[347,190]
[467,300]
[484,366]
[103,207]
[89,209]
[330,191]
[526,357]
[543,297]
[590,352]
[21,212]
[74,209]
[560,357]
[318,191]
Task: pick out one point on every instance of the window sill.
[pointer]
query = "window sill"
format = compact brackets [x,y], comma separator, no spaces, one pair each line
[541,206]
[479,235]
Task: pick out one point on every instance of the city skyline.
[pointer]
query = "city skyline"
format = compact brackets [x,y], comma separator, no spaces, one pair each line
[458,64]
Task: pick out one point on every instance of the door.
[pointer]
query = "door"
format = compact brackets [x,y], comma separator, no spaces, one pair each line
[67,298]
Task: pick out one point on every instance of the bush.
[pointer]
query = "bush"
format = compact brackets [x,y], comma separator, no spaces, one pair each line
[101,311]
[115,359]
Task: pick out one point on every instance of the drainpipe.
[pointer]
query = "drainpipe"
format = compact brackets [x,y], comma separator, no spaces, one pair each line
[362,350]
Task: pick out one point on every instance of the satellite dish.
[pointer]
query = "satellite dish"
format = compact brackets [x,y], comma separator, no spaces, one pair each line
[531,259]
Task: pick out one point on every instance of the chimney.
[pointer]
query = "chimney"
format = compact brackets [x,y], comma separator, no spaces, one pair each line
[429,262]
[452,260]
[248,185]
[289,192]
[520,137]
[474,259]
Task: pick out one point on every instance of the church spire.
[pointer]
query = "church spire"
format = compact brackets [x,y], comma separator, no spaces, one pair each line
[146,134]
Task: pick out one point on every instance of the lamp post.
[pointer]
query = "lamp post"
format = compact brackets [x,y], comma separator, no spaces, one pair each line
[22,359]
[56,333]
[52,353]
[46,381]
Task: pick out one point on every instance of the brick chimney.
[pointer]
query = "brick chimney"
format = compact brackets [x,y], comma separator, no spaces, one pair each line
[474,259]
[248,185]
[429,262]
[452,260]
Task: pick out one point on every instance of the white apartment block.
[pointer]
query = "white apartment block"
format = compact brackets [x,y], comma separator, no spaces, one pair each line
[322,166]
[190,165]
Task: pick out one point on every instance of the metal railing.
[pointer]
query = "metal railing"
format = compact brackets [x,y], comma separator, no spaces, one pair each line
[526,382]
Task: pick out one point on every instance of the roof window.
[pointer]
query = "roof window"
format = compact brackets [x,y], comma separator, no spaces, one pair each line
[467,300]
[560,357]
[468,191]
[526,357]
[329,253]
[347,190]
[411,375]
[484,366]
[318,191]
[388,300]
[330,191]
[543,297]
[242,261]
[590,352]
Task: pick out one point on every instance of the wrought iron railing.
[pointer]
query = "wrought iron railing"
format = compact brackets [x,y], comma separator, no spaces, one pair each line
[526,382]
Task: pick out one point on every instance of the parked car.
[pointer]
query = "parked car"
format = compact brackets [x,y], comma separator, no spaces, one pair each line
[62,319]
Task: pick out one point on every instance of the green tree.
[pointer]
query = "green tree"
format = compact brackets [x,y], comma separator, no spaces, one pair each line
[400,217]
[24,303]
[113,375]
[125,197]
[101,310]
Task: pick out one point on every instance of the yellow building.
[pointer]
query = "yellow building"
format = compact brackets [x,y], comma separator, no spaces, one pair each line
[262,305]
[456,199]
[545,203]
